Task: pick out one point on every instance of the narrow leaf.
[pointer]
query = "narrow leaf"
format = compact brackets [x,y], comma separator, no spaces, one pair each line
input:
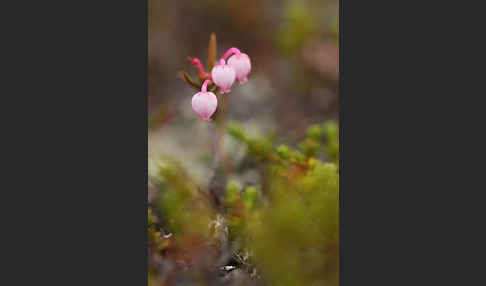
[212,51]
[190,81]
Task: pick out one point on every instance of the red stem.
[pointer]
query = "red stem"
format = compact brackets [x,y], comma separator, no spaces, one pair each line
[230,51]
[197,63]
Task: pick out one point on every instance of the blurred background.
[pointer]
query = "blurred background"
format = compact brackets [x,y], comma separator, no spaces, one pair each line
[293,47]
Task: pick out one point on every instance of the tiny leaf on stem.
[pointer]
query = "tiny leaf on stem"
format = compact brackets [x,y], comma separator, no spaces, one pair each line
[190,81]
[212,51]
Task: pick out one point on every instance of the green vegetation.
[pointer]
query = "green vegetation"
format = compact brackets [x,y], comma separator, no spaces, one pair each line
[283,229]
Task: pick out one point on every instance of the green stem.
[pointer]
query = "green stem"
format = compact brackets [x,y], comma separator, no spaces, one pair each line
[217,181]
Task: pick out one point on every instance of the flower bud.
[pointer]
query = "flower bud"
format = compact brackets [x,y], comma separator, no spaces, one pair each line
[223,76]
[204,103]
[242,66]
[197,63]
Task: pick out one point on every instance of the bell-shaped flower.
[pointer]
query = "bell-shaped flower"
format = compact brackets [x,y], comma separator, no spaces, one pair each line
[240,62]
[242,66]
[204,103]
[223,76]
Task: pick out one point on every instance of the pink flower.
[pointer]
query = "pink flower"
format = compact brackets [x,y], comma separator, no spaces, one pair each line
[223,76]
[242,66]
[240,62]
[204,103]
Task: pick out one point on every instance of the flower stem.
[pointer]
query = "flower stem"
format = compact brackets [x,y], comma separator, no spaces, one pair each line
[215,142]
[218,179]
[230,51]
[204,87]
[197,63]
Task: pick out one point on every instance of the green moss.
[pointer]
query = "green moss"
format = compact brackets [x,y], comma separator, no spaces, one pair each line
[288,220]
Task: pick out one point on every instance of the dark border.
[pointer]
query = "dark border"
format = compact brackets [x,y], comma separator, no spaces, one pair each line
[78,165]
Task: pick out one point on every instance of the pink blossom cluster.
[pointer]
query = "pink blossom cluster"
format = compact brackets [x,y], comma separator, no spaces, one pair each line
[224,74]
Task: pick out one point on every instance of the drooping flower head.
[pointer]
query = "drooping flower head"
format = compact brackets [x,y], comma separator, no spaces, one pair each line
[223,76]
[240,62]
[204,103]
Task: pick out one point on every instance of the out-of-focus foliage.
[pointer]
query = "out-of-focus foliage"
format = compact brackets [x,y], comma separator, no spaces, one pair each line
[282,231]
[331,132]
[185,209]
[295,238]
[297,27]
